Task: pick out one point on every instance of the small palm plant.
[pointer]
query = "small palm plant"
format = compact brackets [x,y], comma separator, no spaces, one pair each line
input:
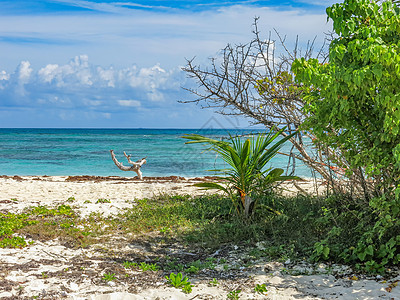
[247,160]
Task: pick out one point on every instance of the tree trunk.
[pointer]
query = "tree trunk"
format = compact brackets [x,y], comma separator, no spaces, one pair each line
[248,207]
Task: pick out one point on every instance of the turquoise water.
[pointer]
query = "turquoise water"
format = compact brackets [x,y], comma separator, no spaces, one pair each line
[86,152]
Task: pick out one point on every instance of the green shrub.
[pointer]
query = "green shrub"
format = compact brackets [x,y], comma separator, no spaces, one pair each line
[352,107]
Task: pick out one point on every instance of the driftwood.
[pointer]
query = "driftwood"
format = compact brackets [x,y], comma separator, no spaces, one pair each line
[135,166]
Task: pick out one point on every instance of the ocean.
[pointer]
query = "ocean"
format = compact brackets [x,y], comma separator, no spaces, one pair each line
[87,152]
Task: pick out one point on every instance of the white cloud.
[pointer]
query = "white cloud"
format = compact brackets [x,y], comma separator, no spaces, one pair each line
[77,70]
[130,103]
[108,76]
[155,96]
[4,78]
[92,102]
[24,72]
[48,73]
[80,85]
[4,75]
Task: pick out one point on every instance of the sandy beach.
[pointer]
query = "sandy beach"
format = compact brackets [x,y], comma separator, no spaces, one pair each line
[52,270]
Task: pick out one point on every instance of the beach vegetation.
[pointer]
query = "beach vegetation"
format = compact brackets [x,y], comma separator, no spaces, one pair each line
[174,265]
[9,224]
[214,282]
[261,289]
[196,266]
[47,223]
[247,176]
[130,264]
[205,222]
[144,266]
[346,102]
[148,267]
[13,242]
[109,276]
[233,295]
[103,200]
[351,105]
[180,281]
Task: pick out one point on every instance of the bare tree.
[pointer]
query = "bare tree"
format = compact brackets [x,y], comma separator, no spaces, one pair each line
[135,166]
[255,80]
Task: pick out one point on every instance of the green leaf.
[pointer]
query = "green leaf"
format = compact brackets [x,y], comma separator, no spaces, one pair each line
[325,252]
[211,185]
[275,173]
[369,250]
[362,255]
[377,69]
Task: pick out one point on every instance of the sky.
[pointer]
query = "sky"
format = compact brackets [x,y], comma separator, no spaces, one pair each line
[117,64]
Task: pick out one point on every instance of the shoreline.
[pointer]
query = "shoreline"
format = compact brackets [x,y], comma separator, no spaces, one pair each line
[78,178]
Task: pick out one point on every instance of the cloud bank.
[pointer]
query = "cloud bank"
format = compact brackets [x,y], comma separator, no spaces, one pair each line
[80,89]
[79,83]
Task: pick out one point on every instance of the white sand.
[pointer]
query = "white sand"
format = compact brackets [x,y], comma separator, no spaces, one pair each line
[51,256]
[55,190]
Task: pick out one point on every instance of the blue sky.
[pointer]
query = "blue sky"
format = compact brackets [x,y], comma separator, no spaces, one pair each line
[75,63]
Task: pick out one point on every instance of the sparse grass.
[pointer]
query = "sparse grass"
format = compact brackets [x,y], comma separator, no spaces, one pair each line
[45,223]
[214,282]
[103,200]
[196,266]
[261,288]
[148,267]
[206,222]
[109,276]
[233,295]
[129,265]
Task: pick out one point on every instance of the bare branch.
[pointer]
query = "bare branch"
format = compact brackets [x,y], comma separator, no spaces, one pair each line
[254,80]
[135,165]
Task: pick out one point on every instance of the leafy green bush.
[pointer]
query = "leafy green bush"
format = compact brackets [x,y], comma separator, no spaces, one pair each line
[12,242]
[64,210]
[352,106]
[9,224]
